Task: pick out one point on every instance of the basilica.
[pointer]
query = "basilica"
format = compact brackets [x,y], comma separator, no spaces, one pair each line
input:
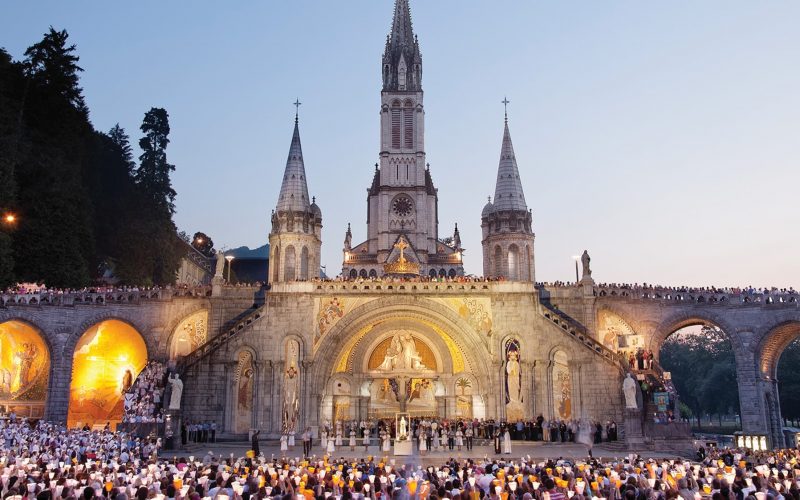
[401,329]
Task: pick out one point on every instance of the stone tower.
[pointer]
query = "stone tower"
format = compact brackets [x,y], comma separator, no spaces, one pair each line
[506,223]
[295,240]
[402,202]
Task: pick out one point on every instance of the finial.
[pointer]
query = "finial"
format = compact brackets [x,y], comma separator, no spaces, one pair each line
[313,199]
[376,166]
[428,166]
[297,104]
[348,226]
[489,198]
[505,102]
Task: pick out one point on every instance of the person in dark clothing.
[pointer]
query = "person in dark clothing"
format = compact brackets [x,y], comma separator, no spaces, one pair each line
[254,443]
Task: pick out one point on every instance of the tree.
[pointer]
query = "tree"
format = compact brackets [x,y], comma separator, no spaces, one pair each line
[121,140]
[203,244]
[154,170]
[789,381]
[53,64]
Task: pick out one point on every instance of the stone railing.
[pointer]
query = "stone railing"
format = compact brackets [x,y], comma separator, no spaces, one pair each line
[682,296]
[400,287]
[228,332]
[581,334]
[100,298]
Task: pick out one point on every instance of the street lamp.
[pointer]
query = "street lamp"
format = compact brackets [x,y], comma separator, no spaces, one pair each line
[229,258]
[9,218]
[576,258]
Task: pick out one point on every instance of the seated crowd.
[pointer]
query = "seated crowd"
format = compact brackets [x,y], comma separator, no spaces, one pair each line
[47,462]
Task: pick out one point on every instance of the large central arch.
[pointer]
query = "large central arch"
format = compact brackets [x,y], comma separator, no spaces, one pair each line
[343,358]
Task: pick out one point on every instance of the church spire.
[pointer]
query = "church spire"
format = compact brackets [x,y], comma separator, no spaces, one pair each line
[294,190]
[402,61]
[508,193]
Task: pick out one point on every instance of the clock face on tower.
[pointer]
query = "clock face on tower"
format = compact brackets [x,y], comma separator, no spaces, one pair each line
[402,206]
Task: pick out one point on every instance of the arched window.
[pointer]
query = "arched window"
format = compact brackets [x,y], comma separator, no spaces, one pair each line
[432,273]
[276,265]
[513,262]
[373,273]
[442,273]
[304,264]
[289,269]
[498,261]
[408,125]
[397,118]
[363,273]
[353,274]
[452,273]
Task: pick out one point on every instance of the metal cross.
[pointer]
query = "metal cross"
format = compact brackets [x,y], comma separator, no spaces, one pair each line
[505,102]
[297,104]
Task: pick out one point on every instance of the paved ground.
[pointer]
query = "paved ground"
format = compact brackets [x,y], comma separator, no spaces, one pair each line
[537,450]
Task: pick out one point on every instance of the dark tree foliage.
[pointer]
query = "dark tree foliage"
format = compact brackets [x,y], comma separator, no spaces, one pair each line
[82,204]
[789,381]
[154,169]
[203,244]
[703,370]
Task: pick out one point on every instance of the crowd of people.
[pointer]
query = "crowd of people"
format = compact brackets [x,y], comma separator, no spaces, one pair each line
[431,434]
[144,397]
[49,462]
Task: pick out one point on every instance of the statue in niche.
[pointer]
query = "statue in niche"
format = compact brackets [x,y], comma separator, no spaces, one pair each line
[513,382]
[403,433]
[291,398]
[629,389]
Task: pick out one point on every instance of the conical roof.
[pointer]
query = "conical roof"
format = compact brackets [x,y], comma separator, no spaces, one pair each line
[508,193]
[294,190]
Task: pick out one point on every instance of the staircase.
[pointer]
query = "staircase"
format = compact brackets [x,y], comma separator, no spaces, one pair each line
[580,334]
[238,325]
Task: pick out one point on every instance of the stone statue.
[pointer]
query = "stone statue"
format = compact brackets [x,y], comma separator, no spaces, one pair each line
[403,432]
[177,391]
[220,264]
[629,389]
[585,259]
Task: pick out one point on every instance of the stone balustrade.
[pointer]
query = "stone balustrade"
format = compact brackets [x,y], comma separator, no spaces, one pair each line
[100,298]
[394,287]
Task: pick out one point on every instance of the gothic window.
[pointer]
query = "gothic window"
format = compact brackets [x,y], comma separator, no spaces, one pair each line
[289,263]
[498,261]
[353,274]
[402,206]
[432,273]
[304,264]
[408,126]
[363,273]
[373,273]
[442,273]
[452,273]
[513,262]
[396,124]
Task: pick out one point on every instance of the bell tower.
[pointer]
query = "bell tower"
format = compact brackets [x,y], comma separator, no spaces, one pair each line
[402,202]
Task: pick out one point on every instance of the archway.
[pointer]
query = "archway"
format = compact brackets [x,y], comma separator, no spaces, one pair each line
[190,333]
[561,385]
[24,369]
[776,356]
[108,356]
[697,361]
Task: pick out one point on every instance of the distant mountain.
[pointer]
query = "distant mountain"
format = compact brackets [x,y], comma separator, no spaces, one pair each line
[261,252]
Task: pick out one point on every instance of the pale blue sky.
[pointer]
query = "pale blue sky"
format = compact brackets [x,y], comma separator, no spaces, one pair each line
[661,136]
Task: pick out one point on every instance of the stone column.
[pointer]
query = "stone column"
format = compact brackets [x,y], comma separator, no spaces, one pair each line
[528,388]
[308,403]
[57,405]
[229,368]
[264,375]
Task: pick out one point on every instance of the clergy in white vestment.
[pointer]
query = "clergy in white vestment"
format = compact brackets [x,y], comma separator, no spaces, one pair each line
[507,442]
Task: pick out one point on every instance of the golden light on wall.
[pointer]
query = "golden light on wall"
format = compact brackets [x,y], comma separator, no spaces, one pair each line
[24,369]
[103,356]
[189,334]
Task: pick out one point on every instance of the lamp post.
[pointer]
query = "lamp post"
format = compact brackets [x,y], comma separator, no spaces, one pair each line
[9,218]
[576,258]
[229,258]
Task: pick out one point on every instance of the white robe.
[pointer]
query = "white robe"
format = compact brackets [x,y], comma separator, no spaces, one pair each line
[284,443]
[387,442]
[366,437]
[507,443]
[339,437]
[324,440]
[352,439]
[331,448]
[423,444]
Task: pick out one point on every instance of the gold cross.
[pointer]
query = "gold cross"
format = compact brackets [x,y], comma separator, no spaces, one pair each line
[401,245]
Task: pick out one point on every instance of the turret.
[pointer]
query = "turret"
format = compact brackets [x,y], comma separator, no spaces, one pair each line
[296,237]
[507,223]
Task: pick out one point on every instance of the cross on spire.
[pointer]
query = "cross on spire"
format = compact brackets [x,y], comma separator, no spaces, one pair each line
[505,102]
[297,104]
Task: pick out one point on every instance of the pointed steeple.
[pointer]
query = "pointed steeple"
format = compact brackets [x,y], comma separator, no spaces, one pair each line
[508,193]
[294,190]
[402,61]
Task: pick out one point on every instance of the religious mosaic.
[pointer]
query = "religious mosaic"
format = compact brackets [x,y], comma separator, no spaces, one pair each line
[191,333]
[615,333]
[24,364]
[464,397]
[291,386]
[475,311]
[562,386]
[244,381]
[107,358]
